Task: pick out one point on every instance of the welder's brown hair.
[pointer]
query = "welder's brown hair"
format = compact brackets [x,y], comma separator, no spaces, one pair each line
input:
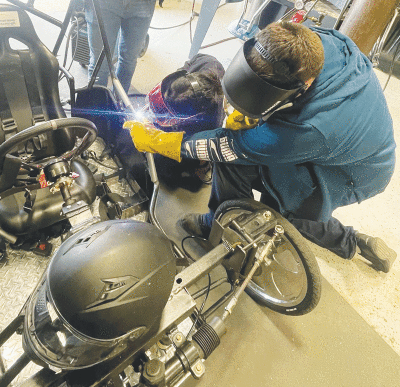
[295,44]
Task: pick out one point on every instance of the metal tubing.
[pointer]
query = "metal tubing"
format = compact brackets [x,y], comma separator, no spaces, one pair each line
[152,168]
[118,89]
[240,290]
[153,201]
[377,49]
[310,9]
[207,12]
[239,228]
[288,14]
[245,5]
[14,370]
[10,329]
[152,206]
[339,18]
[10,237]
[64,26]
[2,367]
[121,92]
[396,42]
[106,46]
[71,82]
[366,21]
[34,11]
[257,14]
[96,69]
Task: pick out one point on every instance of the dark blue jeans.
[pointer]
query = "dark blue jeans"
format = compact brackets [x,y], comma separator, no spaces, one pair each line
[234,181]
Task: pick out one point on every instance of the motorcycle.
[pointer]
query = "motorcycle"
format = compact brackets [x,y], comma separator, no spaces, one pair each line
[116,305]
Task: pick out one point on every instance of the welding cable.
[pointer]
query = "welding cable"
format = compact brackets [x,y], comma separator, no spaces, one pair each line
[192,16]
[190,237]
[218,42]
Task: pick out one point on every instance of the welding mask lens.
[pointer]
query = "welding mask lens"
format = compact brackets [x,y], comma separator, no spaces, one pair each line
[249,93]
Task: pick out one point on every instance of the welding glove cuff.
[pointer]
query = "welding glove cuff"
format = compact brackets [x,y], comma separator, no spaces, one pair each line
[147,138]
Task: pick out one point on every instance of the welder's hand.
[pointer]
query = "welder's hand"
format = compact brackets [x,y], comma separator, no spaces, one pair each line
[147,138]
[238,121]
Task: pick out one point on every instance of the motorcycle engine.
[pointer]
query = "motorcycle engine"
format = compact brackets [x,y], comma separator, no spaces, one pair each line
[105,286]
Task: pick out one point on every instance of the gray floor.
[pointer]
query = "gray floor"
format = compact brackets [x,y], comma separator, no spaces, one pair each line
[353,337]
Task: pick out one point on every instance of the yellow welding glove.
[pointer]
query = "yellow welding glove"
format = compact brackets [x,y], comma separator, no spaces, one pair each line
[238,121]
[147,138]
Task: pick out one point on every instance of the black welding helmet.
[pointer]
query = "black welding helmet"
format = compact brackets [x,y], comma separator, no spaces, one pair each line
[252,95]
[105,289]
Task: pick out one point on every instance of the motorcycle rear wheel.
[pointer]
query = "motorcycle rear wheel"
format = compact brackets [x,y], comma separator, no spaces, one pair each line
[291,284]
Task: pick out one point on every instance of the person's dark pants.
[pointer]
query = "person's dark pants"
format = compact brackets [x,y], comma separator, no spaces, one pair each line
[234,181]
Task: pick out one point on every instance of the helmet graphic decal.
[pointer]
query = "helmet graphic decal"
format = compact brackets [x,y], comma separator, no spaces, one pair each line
[114,288]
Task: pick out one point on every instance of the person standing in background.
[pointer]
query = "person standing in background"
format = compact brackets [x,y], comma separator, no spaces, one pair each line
[128,19]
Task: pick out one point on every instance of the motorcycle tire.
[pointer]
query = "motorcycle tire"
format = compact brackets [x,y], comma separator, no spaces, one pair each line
[291,284]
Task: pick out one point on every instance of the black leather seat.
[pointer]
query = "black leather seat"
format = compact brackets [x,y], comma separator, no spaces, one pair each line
[29,95]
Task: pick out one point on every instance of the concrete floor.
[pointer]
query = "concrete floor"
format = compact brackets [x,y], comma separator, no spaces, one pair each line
[374,296]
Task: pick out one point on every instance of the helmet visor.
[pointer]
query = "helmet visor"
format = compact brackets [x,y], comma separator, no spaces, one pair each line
[58,344]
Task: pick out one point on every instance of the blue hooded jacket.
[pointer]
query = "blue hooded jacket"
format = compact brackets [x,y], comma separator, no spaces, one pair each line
[333,147]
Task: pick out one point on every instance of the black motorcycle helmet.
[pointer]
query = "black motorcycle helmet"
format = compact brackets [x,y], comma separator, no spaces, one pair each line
[105,286]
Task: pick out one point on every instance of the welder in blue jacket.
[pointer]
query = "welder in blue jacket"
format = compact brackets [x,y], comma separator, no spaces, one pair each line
[324,138]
